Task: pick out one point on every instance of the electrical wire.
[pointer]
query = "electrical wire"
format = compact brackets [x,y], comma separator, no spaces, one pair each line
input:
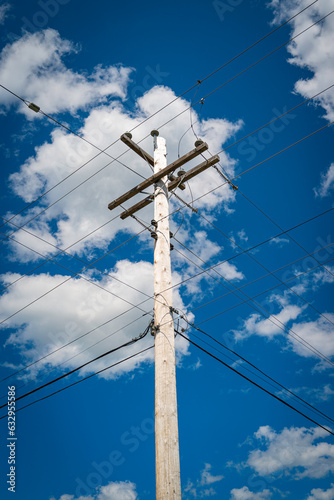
[248,284]
[66,280]
[290,393]
[284,327]
[68,359]
[67,374]
[278,117]
[255,383]
[78,274]
[64,251]
[81,380]
[176,116]
[279,227]
[264,267]
[169,103]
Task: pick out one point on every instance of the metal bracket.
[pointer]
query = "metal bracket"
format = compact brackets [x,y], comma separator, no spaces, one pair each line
[154,329]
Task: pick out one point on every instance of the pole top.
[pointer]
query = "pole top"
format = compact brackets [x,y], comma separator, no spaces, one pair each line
[154,133]
[198,143]
[128,134]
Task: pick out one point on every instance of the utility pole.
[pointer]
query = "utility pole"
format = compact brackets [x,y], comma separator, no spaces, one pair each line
[167,460]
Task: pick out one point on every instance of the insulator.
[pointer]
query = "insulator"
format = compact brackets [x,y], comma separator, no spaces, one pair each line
[34,107]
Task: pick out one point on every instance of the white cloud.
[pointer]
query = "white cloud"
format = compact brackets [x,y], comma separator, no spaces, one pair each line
[311,50]
[279,241]
[207,477]
[245,494]
[202,489]
[4,8]
[85,208]
[269,327]
[324,393]
[294,451]
[44,76]
[326,183]
[242,235]
[318,333]
[33,68]
[77,307]
[318,494]
[118,490]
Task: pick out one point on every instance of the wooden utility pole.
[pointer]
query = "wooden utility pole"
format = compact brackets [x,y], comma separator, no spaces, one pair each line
[167,460]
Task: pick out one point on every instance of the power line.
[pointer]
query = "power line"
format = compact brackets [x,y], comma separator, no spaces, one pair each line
[254,246]
[264,267]
[254,383]
[254,296]
[66,280]
[176,116]
[68,359]
[159,110]
[62,251]
[192,325]
[81,380]
[243,71]
[279,227]
[192,310]
[226,178]
[205,194]
[74,274]
[67,374]
[284,327]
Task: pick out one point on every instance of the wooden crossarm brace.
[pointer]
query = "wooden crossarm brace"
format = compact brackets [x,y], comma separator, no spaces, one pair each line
[138,206]
[194,171]
[156,177]
[172,185]
[137,149]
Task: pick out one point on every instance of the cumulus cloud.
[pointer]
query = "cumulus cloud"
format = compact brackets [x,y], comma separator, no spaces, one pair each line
[326,183]
[77,218]
[311,50]
[77,211]
[33,67]
[118,490]
[296,451]
[318,333]
[77,307]
[272,326]
[319,494]
[244,493]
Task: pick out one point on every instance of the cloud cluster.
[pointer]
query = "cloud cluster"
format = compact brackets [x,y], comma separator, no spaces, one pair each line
[79,204]
[78,306]
[33,67]
[75,214]
[244,493]
[118,490]
[203,486]
[326,183]
[296,451]
[311,50]
[319,494]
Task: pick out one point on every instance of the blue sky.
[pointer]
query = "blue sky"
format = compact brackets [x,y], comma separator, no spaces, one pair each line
[102,69]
